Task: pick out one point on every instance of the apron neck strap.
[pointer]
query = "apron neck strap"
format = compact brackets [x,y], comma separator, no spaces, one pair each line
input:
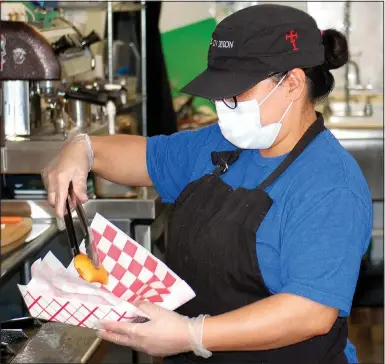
[311,133]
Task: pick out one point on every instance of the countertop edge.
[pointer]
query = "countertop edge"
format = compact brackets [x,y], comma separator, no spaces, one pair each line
[26,250]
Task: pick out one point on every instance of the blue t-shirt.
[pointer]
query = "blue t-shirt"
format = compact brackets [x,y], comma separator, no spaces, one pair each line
[312,240]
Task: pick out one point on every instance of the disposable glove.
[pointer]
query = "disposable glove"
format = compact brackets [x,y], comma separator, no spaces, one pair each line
[72,164]
[166,333]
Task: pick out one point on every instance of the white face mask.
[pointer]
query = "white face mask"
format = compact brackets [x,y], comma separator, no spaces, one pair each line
[242,126]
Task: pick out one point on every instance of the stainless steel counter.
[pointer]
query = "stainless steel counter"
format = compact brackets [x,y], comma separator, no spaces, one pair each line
[144,209]
[146,217]
[20,256]
[31,156]
[146,206]
[28,157]
[60,343]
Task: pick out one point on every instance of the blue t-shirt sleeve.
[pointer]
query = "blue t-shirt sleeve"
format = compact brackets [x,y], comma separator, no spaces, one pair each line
[324,239]
[171,160]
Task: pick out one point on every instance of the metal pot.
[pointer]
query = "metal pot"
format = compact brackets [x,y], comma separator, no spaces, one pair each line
[106,189]
[80,113]
[16,108]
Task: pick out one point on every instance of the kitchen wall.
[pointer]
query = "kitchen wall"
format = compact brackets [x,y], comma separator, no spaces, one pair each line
[366,37]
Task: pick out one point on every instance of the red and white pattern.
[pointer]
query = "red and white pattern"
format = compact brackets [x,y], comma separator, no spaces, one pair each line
[67,312]
[135,274]
[58,294]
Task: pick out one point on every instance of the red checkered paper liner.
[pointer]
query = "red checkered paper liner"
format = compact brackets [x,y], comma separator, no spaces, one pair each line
[56,293]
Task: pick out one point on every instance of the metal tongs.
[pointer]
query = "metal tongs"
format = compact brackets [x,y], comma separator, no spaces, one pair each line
[87,234]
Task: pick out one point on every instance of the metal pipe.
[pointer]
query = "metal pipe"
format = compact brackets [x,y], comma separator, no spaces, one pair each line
[356,73]
[111,115]
[2,122]
[16,108]
[109,42]
[144,67]
[348,110]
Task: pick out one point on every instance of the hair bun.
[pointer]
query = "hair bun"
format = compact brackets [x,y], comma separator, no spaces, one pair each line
[336,49]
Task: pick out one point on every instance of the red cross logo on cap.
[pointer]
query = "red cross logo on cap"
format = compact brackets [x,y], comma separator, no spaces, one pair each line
[292,36]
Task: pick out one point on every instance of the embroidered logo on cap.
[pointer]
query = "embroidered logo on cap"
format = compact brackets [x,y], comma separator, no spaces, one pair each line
[221,43]
[292,36]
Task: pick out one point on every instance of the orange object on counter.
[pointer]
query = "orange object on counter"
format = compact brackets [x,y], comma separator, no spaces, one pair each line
[88,272]
[11,219]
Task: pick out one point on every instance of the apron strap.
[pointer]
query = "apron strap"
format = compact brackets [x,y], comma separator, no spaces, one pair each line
[311,133]
[223,160]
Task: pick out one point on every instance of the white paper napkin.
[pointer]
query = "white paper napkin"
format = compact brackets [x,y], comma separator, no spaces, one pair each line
[56,293]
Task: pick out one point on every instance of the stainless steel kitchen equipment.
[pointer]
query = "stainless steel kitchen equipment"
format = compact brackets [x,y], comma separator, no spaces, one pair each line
[80,113]
[25,56]
[16,108]
[32,60]
[75,57]
[71,47]
[106,189]
[14,335]
[367,110]
[55,109]
[143,218]
[28,340]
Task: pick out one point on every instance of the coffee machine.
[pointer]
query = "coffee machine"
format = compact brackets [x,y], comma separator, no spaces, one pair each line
[38,97]
[25,56]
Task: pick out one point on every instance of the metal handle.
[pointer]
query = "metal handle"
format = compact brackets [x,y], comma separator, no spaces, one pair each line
[96,98]
[70,227]
[88,238]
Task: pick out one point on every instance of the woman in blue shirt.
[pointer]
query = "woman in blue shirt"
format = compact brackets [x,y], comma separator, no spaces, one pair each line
[270,217]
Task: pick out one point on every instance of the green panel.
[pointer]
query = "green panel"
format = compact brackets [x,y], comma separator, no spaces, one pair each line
[185,50]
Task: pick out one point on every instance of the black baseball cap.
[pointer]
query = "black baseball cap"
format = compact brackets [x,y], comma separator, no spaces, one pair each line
[253,43]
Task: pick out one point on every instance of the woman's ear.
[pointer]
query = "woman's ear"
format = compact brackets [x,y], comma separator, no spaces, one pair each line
[296,82]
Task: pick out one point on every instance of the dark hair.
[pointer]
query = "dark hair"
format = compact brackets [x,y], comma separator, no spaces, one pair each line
[320,80]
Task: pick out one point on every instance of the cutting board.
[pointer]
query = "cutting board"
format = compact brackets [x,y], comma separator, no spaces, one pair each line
[13,235]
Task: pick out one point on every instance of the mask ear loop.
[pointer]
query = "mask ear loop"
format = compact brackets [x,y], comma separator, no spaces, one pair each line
[281,80]
[287,110]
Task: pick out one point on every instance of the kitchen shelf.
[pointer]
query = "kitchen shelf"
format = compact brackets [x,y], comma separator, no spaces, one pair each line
[125,7]
[120,6]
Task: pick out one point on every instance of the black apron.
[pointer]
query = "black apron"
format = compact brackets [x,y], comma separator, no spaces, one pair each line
[212,246]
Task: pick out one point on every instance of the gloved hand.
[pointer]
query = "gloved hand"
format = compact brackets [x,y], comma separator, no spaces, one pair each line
[167,333]
[73,163]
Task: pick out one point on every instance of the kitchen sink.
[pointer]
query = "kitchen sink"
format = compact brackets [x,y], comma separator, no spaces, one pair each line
[358,116]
